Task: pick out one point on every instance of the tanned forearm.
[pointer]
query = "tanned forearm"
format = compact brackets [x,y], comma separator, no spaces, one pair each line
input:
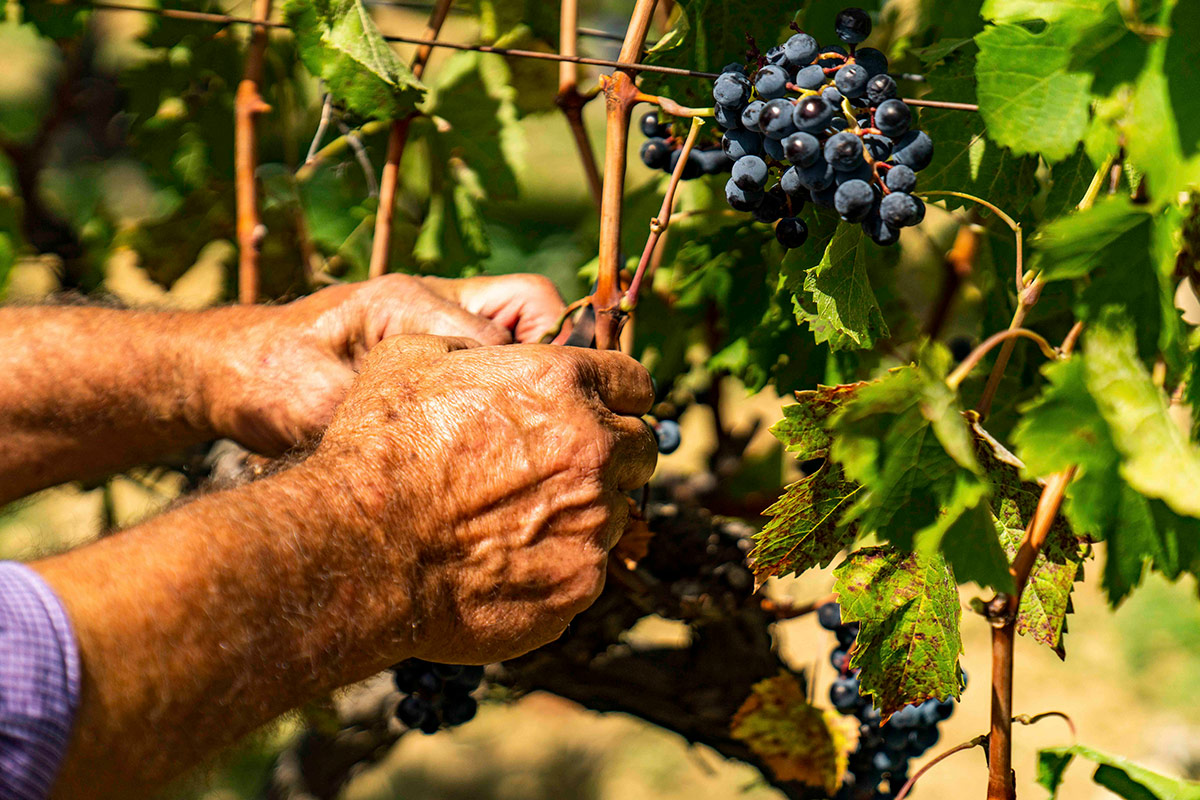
[207,622]
[89,391]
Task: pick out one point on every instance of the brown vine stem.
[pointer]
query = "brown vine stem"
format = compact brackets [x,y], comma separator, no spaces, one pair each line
[247,106]
[659,224]
[960,373]
[620,95]
[569,99]
[978,741]
[398,135]
[1003,616]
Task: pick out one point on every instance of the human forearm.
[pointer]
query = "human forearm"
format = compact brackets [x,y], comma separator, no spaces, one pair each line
[87,391]
[207,622]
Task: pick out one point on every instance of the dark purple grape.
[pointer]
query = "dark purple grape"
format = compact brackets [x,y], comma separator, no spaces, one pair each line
[852,25]
[791,232]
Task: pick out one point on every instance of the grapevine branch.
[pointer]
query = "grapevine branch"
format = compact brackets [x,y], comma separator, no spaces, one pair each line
[1004,624]
[955,378]
[398,135]
[248,104]
[620,95]
[569,99]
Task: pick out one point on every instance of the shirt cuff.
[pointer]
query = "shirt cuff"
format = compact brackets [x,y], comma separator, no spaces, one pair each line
[39,683]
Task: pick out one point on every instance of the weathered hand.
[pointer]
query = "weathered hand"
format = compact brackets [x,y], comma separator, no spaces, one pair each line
[487,484]
[273,375]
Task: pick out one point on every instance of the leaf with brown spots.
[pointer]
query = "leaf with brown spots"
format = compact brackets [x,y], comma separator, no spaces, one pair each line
[798,741]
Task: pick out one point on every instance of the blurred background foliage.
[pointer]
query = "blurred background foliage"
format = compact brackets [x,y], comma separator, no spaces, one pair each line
[116,182]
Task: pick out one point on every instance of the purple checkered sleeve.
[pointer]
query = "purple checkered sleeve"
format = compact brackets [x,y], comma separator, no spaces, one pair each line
[39,683]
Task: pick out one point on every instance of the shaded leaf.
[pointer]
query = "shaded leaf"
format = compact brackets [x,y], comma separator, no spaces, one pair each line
[805,529]
[798,741]
[1120,776]
[846,314]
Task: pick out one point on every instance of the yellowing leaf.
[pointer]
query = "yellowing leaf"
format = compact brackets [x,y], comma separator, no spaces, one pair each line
[798,741]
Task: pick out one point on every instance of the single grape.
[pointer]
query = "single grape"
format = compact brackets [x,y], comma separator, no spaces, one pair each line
[728,117]
[880,147]
[773,149]
[776,118]
[750,173]
[843,693]
[791,232]
[925,737]
[869,715]
[731,89]
[429,683]
[880,88]
[914,149]
[886,761]
[854,200]
[844,151]
[741,143]
[751,113]
[712,161]
[668,435]
[655,153]
[691,169]
[851,80]
[812,114]
[734,66]
[832,96]
[839,659]
[800,50]
[810,77]
[892,117]
[457,710]
[852,25]
[920,211]
[817,177]
[802,148]
[776,56]
[898,210]
[413,711]
[741,200]
[771,82]
[874,60]
[900,179]
[879,231]
[862,172]
[829,616]
[906,718]
[789,181]
[823,197]
[651,127]
[839,124]
[945,708]
[772,207]
[846,633]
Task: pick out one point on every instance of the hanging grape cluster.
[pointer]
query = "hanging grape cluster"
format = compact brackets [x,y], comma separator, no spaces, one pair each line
[884,750]
[662,150]
[826,126]
[438,695]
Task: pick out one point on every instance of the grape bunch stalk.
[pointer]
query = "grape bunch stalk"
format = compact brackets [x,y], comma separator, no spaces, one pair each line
[826,126]
[438,695]
[884,749]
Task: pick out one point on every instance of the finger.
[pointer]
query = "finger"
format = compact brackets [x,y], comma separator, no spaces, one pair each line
[617,520]
[528,305]
[444,318]
[634,454]
[416,347]
[619,381]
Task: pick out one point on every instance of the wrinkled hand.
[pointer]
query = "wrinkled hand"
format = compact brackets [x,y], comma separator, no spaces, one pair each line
[274,374]
[486,483]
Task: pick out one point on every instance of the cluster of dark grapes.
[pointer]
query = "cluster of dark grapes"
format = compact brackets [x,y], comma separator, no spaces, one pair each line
[438,695]
[824,125]
[884,751]
[662,150]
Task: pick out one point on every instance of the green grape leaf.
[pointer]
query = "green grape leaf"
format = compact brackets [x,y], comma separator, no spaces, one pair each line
[1120,776]
[472,93]
[338,42]
[904,438]
[803,429]
[710,34]
[964,158]
[1025,81]
[1112,232]
[797,740]
[1069,181]
[908,608]
[1066,426]
[805,530]
[845,313]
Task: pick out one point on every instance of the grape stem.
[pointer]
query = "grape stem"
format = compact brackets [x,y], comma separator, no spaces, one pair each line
[248,105]
[1026,719]
[569,98]
[397,138]
[955,378]
[658,225]
[671,107]
[978,741]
